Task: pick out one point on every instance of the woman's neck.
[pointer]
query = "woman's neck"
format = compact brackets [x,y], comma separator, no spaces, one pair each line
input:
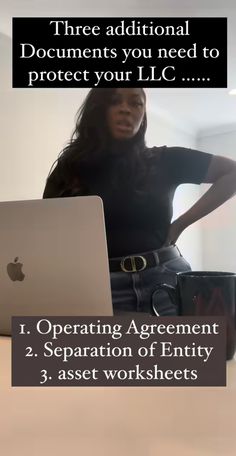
[123,146]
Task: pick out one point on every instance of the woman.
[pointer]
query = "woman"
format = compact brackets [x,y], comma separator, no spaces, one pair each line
[107,156]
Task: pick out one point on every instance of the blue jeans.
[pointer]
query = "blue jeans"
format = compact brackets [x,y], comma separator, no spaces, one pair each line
[137,291]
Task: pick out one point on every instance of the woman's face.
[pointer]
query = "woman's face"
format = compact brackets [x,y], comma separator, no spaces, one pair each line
[126,112]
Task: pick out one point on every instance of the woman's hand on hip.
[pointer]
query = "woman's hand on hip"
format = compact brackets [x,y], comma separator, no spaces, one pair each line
[174,232]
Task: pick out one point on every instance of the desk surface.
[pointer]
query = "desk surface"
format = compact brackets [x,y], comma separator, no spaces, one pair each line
[116,421]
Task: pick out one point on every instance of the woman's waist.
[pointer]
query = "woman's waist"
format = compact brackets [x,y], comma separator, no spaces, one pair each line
[139,261]
[123,243]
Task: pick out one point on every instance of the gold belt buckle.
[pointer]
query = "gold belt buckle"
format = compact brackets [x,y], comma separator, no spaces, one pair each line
[133,264]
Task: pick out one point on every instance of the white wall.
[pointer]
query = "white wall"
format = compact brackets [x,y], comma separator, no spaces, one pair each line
[219,227]
[36,125]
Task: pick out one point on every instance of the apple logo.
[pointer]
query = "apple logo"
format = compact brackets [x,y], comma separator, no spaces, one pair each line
[14,270]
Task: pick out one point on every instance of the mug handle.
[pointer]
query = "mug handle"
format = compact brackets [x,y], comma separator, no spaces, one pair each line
[171,291]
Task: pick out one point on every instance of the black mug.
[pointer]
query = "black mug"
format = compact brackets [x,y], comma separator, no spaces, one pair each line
[206,293]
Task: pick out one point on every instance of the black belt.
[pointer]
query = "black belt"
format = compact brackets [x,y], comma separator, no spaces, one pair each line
[139,262]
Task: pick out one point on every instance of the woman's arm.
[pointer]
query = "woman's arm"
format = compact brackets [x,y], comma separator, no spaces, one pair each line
[222,174]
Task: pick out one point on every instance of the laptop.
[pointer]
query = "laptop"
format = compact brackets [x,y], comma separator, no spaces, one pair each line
[53,259]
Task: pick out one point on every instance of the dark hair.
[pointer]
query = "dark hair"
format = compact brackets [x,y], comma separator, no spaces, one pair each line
[91,140]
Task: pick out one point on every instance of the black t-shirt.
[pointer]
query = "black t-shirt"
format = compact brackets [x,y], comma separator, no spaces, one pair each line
[137,212]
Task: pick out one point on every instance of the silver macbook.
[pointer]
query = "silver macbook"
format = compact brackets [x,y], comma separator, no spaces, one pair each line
[53,259]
